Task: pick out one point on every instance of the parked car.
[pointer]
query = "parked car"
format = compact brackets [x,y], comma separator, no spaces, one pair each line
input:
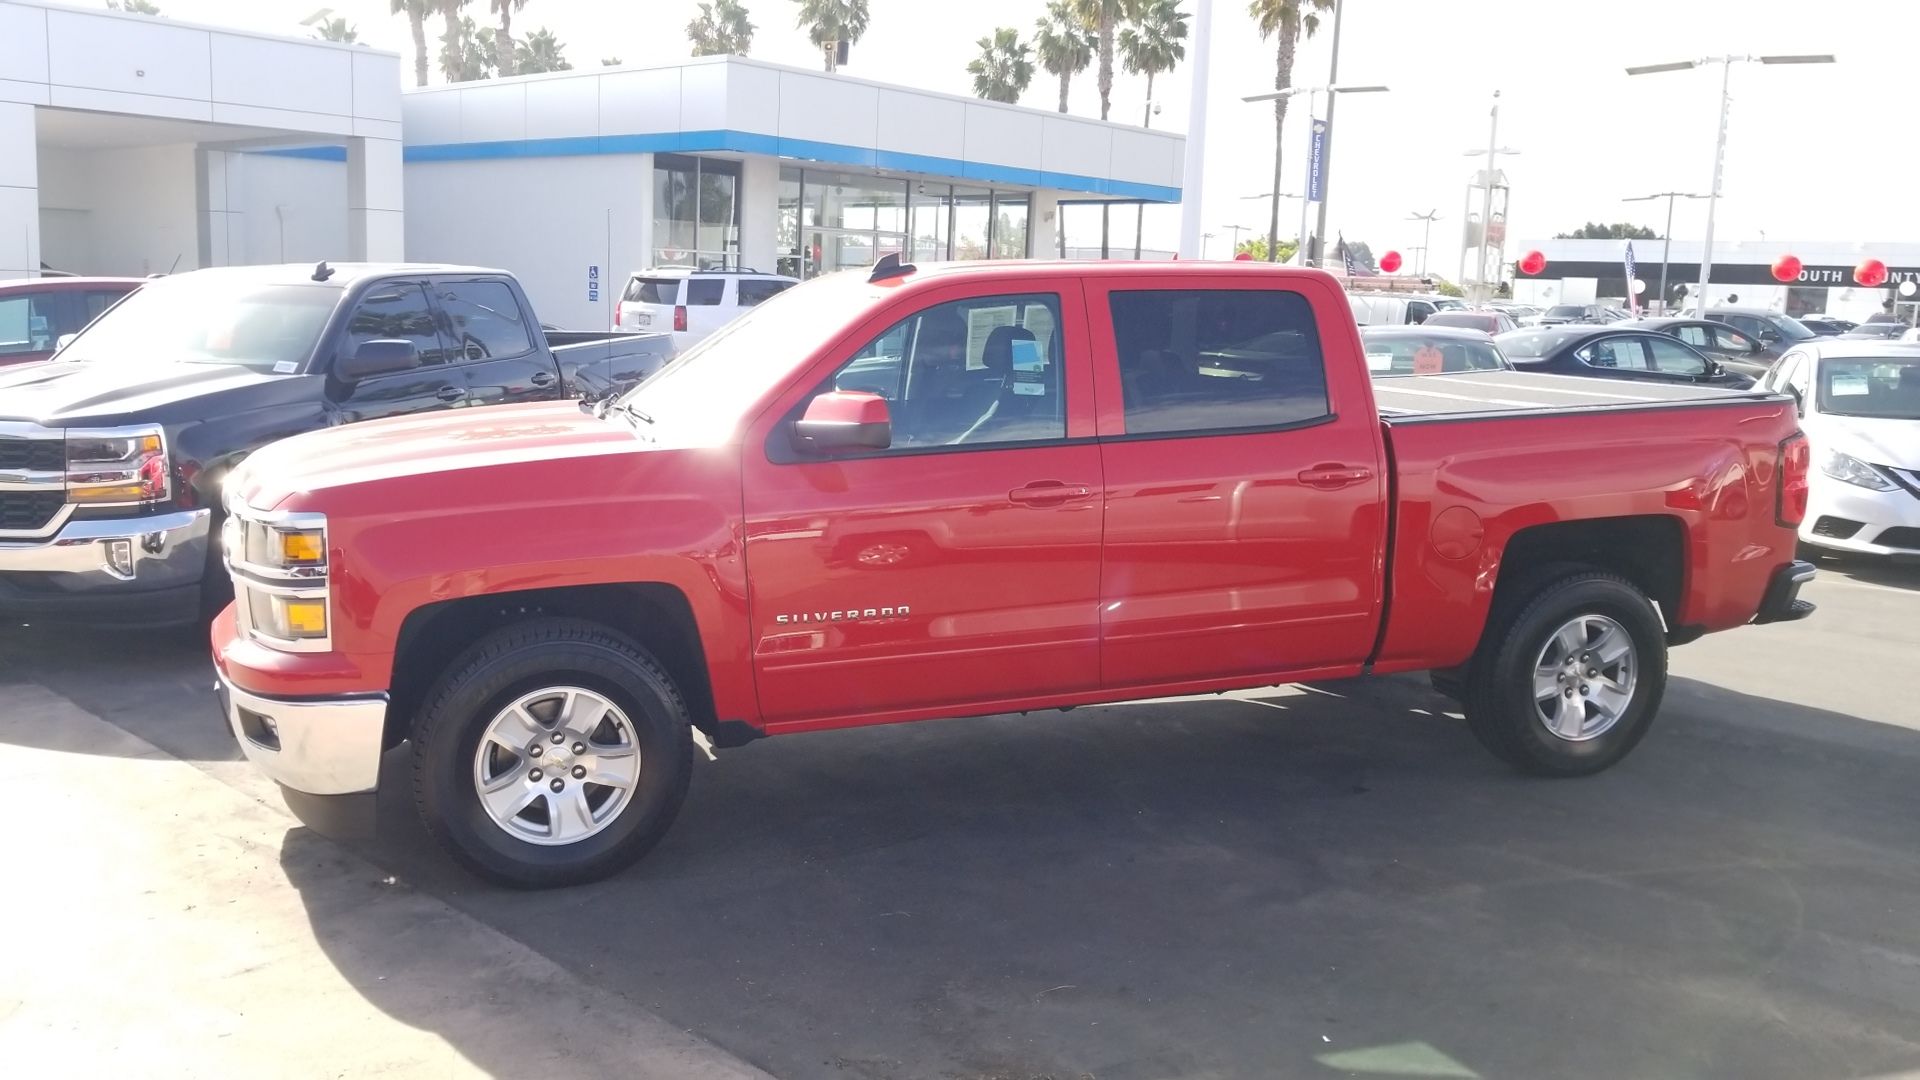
[1560,314]
[690,304]
[1615,352]
[112,454]
[35,313]
[1825,325]
[1877,331]
[1487,322]
[1391,309]
[1514,311]
[1859,404]
[1429,350]
[1733,348]
[1768,327]
[1189,489]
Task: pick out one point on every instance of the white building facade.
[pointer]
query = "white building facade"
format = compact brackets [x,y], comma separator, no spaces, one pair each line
[574,179]
[132,145]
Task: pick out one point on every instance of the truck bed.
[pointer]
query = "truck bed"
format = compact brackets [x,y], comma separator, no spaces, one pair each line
[1490,394]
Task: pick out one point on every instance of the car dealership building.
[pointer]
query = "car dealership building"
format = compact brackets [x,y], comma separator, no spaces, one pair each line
[135,145]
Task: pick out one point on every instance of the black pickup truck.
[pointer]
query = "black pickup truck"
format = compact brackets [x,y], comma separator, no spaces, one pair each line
[112,453]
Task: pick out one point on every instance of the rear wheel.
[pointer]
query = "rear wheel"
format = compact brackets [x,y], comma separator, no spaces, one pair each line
[1569,675]
[553,752]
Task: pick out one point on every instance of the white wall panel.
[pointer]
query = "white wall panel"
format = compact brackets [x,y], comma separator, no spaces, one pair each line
[632,102]
[131,55]
[256,116]
[1145,158]
[288,210]
[493,113]
[1067,146]
[921,124]
[23,43]
[19,232]
[1004,136]
[282,75]
[431,119]
[18,137]
[563,108]
[69,97]
[376,85]
[703,97]
[827,110]
[753,99]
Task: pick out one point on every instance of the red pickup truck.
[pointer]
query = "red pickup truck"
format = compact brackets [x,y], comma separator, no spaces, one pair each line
[967,490]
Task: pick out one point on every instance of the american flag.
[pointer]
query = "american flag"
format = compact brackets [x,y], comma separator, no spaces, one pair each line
[1633,299]
[1346,254]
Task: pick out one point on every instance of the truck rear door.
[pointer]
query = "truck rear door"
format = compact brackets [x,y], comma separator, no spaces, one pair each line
[1245,479]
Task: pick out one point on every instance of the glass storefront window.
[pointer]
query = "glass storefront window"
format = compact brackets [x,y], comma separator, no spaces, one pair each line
[835,221]
[972,217]
[932,218]
[696,211]
[1010,225]
[787,238]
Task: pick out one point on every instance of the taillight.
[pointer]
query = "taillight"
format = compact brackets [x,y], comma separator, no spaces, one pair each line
[620,314]
[680,317]
[1795,461]
[117,467]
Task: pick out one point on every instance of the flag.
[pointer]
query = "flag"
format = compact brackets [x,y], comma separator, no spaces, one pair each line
[1633,298]
[1346,255]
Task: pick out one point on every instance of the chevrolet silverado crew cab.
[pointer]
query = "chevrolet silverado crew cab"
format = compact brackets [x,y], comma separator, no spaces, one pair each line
[968,490]
[111,454]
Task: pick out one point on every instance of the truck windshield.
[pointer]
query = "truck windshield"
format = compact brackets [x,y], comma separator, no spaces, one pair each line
[1884,387]
[210,320]
[716,381]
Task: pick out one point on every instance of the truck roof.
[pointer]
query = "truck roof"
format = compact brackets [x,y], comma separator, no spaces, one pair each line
[1484,395]
[1106,268]
[344,273]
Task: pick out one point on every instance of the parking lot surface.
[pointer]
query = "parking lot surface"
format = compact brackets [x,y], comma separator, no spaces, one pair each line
[1298,882]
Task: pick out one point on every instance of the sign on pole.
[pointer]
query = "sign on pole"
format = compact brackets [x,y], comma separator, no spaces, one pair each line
[1315,157]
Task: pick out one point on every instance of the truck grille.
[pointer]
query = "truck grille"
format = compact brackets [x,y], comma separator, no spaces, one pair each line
[29,511]
[32,455]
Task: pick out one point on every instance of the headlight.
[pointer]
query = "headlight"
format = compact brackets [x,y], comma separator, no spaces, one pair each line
[288,618]
[282,547]
[280,578]
[117,466]
[1850,469]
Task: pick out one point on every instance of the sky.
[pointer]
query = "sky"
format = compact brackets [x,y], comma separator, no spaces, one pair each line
[1815,153]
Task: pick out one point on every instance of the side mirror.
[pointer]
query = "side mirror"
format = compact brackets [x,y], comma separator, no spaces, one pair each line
[380,357]
[63,341]
[844,420]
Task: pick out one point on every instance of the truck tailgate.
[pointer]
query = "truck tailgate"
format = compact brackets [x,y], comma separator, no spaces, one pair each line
[1486,394]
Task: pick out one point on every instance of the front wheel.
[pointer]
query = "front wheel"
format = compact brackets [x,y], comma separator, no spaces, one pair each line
[554,752]
[1568,676]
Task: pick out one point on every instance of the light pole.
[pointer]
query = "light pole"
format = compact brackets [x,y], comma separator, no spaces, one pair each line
[1193,169]
[1720,141]
[1666,248]
[1332,89]
[1426,238]
[1326,149]
[1493,150]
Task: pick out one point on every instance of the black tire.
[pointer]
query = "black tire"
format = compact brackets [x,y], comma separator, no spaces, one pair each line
[486,679]
[1500,706]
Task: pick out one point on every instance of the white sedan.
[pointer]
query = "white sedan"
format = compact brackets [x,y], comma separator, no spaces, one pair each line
[1860,407]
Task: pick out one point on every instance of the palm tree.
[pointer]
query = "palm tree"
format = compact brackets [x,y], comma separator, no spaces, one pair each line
[611,61]
[416,12]
[828,21]
[466,52]
[455,39]
[503,37]
[540,52]
[1151,45]
[1004,68]
[721,29]
[1285,20]
[1102,17]
[1064,44]
[135,7]
[336,30]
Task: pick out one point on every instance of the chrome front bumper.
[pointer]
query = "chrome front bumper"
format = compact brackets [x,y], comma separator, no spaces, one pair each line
[314,746]
[126,554]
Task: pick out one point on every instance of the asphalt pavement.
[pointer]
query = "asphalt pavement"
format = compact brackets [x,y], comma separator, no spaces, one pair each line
[1332,881]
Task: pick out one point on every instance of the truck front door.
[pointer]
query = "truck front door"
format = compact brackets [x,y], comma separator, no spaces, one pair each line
[496,348]
[1245,495]
[958,568]
[399,310]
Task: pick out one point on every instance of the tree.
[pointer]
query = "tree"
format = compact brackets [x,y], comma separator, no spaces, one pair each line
[1622,230]
[1257,247]
[1004,68]
[416,12]
[336,29]
[466,53]
[828,21]
[1064,44]
[540,52]
[721,29]
[1102,17]
[1285,21]
[1151,45]
[503,37]
[611,61]
[133,7]
[1447,288]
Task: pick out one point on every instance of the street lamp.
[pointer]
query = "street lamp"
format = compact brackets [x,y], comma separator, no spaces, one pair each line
[1493,150]
[1666,249]
[1720,142]
[1273,234]
[1426,239]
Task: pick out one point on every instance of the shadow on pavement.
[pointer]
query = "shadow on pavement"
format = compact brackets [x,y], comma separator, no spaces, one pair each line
[158,683]
[1901,573]
[1334,882]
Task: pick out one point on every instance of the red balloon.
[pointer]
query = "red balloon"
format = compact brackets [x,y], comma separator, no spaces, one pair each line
[1533,262]
[1786,268]
[1390,262]
[1871,272]
[1245,256]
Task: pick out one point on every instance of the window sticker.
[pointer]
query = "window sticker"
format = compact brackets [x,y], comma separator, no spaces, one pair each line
[1029,369]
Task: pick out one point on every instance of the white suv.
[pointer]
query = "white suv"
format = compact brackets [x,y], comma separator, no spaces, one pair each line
[692,303]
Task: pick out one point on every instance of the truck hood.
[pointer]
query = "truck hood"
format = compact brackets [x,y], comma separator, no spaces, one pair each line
[1871,439]
[421,446]
[60,394]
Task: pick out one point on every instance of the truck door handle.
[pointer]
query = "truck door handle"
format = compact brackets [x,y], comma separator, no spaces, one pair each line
[1329,477]
[542,378]
[1049,493]
[451,393]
